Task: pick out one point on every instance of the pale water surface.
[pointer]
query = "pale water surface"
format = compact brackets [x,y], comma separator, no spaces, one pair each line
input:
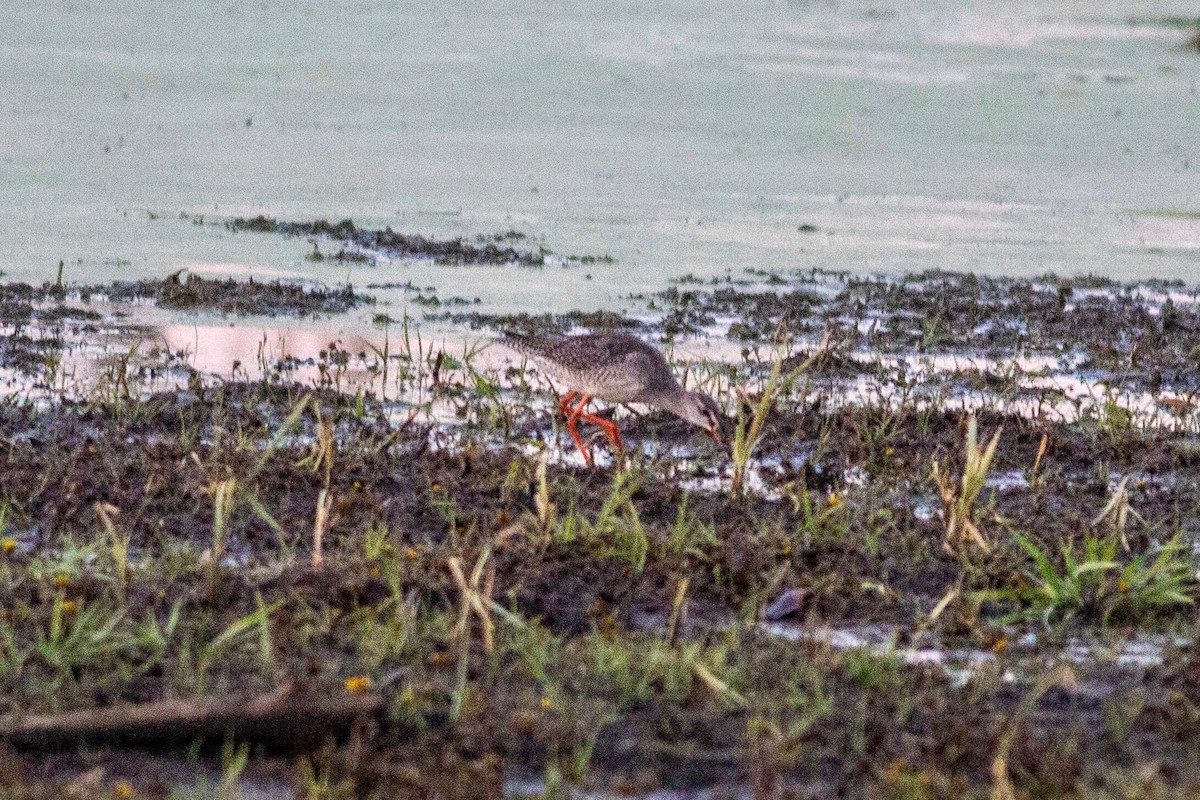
[1015,137]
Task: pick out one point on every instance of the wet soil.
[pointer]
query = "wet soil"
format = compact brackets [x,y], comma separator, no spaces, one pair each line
[556,684]
[161,545]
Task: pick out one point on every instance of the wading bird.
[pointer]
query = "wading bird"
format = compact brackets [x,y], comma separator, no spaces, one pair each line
[618,368]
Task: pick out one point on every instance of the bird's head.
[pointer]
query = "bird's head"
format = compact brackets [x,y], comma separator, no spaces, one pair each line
[702,411]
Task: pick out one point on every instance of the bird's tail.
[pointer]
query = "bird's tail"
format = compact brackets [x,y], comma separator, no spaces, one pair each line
[523,343]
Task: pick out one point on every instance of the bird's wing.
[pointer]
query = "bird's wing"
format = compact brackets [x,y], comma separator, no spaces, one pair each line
[577,353]
[646,371]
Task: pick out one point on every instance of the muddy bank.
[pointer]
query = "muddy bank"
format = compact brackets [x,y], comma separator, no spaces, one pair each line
[520,615]
[163,547]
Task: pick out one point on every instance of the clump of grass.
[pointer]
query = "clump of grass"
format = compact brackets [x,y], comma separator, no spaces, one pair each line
[242,630]
[474,599]
[958,498]
[233,762]
[749,431]
[688,536]
[321,459]
[1095,584]
[616,531]
[78,637]
[117,540]
[231,493]
[636,669]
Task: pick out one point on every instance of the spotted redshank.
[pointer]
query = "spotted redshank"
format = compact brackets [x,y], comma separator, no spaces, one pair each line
[618,368]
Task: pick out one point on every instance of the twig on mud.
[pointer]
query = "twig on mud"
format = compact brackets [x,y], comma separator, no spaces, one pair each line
[542,501]
[475,597]
[678,610]
[118,545]
[1037,462]
[949,597]
[283,717]
[321,526]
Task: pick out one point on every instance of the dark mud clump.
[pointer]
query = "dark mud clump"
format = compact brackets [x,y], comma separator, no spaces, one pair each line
[391,244]
[229,296]
[364,244]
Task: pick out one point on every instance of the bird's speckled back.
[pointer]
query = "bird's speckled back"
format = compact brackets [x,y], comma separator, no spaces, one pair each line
[611,366]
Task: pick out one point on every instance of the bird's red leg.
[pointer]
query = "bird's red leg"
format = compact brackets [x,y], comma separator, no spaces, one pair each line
[565,403]
[573,418]
[610,428]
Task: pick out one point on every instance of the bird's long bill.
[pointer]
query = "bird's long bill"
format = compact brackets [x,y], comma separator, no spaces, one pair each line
[714,433]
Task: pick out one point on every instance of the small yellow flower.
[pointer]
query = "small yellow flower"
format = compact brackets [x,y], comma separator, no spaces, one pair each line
[894,771]
[890,452]
[1122,586]
[122,790]
[374,572]
[61,581]
[411,553]
[547,703]
[69,607]
[1000,645]
[9,545]
[786,550]
[834,501]
[357,684]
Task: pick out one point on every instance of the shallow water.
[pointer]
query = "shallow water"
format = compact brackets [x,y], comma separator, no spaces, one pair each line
[673,136]
[1026,657]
